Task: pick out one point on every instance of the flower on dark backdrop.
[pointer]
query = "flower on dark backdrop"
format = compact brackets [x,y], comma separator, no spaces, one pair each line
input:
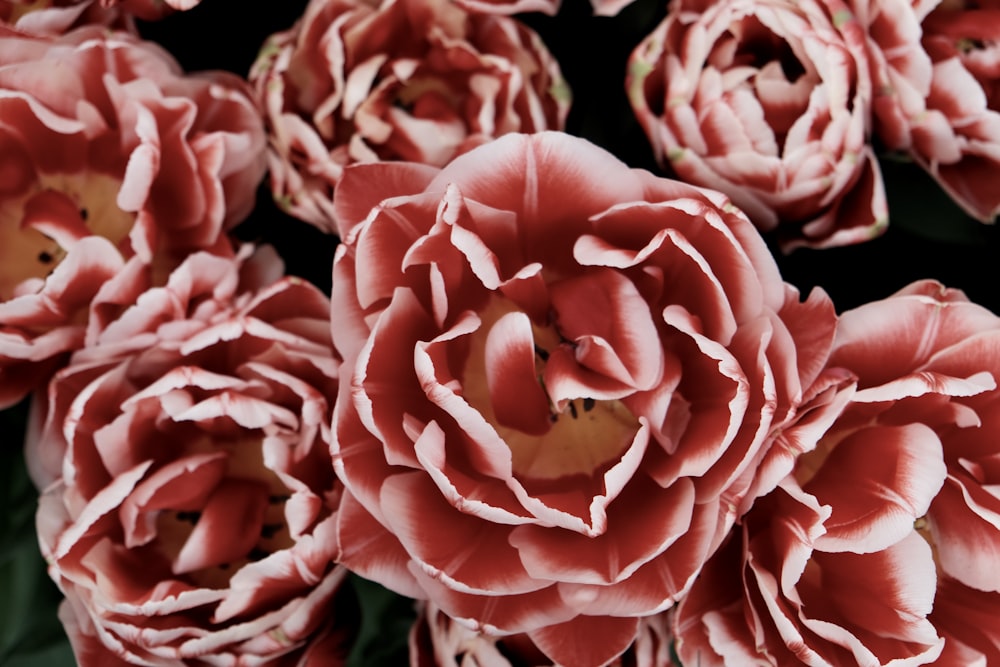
[880,547]
[935,75]
[563,378]
[188,492]
[104,137]
[553,409]
[769,102]
[410,80]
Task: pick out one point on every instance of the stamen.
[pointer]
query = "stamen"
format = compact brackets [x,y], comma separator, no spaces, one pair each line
[588,404]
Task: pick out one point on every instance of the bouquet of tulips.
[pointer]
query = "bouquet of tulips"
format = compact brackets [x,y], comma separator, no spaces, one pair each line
[499,333]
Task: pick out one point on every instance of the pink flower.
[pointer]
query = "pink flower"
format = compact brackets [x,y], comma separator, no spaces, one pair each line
[771,596]
[151,10]
[416,80]
[55,17]
[188,488]
[768,102]
[883,544]
[436,640]
[40,329]
[103,136]
[936,75]
[563,379]
[932,360]
[550,7]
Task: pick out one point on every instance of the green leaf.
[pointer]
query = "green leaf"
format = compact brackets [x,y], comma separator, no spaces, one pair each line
[30,631]
[54,655]
[386,618]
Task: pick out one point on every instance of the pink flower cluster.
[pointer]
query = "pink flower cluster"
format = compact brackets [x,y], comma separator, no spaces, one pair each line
[570,408]
[880,547]
[781,105]
[108,152]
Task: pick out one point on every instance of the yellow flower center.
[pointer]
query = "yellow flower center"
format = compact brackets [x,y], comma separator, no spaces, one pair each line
[245,468]
[586,436]
[87,206]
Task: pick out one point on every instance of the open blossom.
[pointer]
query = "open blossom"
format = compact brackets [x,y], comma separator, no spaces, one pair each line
[551,7]
[769,102]
[437,640]
[770,596]
[53,17]
[103,136]
[39,330]
[188,492]
[151,10]
[563,379]
[415,80]
[936,77]
[882,545]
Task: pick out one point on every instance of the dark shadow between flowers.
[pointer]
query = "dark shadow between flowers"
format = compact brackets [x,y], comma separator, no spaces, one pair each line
[307,251]
[928,236]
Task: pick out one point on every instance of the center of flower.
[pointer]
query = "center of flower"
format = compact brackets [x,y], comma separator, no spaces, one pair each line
[758,47]
[781,83]
[585,439]
[41,217]
[421,122]
[549,437]
[234,515]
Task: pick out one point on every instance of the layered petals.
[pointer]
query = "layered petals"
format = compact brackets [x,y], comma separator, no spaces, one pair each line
[881,546]
[188,505]
[359,81]
[108,152]
[54,17]
[41,329]
[768,102]
[936,82]
[436,640]
[551,7]
[561,377]
[771,597]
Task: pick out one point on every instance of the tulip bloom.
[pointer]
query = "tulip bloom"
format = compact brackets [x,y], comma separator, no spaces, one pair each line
[563,381]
